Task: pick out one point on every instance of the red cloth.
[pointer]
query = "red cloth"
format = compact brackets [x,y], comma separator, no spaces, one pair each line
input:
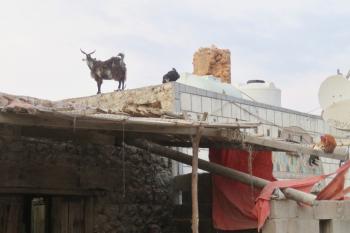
[234,207]
[335,189]
[234,201]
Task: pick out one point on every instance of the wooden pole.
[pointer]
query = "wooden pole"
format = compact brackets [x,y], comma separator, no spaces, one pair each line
[194,184]
[221,170]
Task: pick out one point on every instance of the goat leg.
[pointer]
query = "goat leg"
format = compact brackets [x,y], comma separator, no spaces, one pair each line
[99,83]
[123,86]
[119,83]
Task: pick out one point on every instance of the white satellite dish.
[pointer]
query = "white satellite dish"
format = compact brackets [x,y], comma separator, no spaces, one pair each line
[334,89]
[334,98]
[338,115]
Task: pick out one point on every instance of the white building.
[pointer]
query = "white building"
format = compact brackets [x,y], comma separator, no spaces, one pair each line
[276,122]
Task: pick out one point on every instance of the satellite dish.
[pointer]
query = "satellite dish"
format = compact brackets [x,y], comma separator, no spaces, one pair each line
[334,98]
[338,115]
[334,89]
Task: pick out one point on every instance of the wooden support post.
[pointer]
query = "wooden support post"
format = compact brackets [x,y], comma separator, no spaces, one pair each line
[194,185]
[195,148]
[221,170]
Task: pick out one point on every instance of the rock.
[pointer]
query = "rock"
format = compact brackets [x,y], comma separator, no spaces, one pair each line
[213,61]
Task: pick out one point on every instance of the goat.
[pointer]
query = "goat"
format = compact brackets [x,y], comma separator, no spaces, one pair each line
[111,69]
[171,76]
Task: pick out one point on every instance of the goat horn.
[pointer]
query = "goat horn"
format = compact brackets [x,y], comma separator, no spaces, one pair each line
[92,52]
[82,51]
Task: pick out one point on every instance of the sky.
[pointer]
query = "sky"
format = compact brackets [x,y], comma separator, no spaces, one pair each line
[294,44]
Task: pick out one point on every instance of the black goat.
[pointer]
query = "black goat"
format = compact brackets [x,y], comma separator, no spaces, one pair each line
[111,69]
[171,76]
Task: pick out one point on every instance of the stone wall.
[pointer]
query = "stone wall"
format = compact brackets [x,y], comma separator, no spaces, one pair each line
[213,61]
[129,204]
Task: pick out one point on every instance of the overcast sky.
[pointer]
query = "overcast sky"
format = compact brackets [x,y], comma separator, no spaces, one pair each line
[295,44]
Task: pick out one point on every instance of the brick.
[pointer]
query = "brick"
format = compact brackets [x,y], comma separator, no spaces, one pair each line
[183,88]
[177,94]
[283,209]
[211,94]
[202,92]
[301,225]
[275,226]
[226,109]
[196,103]
[291,225]
[206,105]
[305,212]
[236,111]
[346,214]
[177,106]
[185,102]
[189,89]
[328,210]
[335,226]
[216,107]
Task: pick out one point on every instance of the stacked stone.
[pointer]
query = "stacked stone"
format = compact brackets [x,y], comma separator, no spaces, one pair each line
[146,199]
[131,203]
[213,61]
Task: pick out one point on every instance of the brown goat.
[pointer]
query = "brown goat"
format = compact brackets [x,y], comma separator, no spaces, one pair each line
[111,69]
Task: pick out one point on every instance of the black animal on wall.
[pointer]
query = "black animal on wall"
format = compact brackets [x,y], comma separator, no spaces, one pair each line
[171,76]
[111,69]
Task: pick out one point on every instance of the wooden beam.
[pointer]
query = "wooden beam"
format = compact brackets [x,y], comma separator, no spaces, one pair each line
[289,147]
[215,132]
[222,170]
[168,126]
[195,148]
[43,191]
[194,185]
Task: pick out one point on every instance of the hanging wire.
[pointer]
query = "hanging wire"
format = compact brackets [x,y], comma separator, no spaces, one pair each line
[250,169]
[123,160]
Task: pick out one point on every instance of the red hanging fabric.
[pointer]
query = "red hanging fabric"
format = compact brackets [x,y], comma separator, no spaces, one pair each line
[234,201]
[234,204]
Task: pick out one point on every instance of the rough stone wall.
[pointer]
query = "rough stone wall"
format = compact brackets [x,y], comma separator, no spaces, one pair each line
[213,61]
[146,101]
[147,196]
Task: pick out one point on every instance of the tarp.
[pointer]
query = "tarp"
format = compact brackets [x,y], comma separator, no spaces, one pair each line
[234,201]
[238,206]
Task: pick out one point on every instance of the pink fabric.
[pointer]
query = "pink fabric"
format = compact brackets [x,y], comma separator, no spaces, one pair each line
[234,207]
[333,191]
[233,201]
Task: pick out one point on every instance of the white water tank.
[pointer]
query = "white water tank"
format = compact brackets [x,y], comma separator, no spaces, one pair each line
[261,91]
[210,83]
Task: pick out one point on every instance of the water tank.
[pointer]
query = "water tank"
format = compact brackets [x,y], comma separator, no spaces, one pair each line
[210,83]
[334,98]
[261,91]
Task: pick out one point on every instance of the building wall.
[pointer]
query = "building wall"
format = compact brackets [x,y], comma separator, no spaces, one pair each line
[223,108]
[130,193]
